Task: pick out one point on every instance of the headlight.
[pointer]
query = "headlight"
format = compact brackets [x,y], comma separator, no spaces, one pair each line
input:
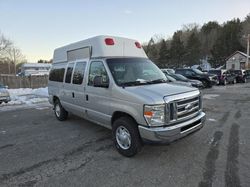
[154,114]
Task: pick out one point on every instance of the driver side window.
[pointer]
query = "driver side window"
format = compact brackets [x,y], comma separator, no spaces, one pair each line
[97,69]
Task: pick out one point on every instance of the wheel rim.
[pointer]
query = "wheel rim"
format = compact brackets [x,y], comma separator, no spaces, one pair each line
[57,110]
[123,137]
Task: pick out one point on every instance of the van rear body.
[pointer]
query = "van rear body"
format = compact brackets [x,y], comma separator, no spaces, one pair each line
[111,82]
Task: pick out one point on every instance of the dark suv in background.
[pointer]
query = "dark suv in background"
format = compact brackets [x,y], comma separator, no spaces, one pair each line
[247,74]
[207,79]
[224,76]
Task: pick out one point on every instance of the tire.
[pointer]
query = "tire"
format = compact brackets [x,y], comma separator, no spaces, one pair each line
[126,136]
[60,113]
[6,102]
[0,102]
[206,84]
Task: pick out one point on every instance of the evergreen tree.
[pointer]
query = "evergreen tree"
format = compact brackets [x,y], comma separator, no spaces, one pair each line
[163,54]
[208,36]
[193,50]
[152,51]
[228,41]
[177,50]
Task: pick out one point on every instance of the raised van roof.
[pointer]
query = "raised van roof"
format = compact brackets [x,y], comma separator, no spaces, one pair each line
[99,46]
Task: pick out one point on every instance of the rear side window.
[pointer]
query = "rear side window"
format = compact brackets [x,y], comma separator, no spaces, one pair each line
[79,72]
[57,73]
[69,73]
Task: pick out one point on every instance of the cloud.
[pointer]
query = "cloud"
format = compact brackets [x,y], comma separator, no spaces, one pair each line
[127,12]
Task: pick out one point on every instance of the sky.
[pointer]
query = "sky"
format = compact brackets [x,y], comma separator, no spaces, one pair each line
[37,27]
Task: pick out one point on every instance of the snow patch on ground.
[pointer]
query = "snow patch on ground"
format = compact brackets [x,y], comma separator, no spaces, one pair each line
[27,96]
[210,96]
[211,119]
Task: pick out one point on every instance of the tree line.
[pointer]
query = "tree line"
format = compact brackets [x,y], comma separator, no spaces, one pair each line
[212,42]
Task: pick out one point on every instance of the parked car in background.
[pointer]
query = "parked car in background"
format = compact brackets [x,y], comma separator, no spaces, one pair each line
[174,81]
[168,71]
[207,80]
[240,75]
[225,77]
[4,94]
[194,83]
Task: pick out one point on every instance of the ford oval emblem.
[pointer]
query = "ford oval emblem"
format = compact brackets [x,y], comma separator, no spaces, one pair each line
[188,107]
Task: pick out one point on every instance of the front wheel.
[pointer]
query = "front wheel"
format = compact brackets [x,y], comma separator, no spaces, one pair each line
[206,84]
[126,136]
[60,113]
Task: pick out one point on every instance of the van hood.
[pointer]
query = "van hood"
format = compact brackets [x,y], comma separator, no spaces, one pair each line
[156,92]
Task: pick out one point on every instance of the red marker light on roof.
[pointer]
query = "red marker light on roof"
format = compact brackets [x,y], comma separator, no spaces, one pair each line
[138,45]
[109,41]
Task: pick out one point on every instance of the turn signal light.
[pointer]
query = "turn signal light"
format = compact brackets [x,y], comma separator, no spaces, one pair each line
[148,113]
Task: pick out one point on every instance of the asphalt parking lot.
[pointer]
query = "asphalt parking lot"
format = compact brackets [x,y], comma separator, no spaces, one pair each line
[38,150]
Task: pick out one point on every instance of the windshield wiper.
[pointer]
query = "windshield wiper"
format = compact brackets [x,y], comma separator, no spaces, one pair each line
[156,81]
[132,83]
[136,83]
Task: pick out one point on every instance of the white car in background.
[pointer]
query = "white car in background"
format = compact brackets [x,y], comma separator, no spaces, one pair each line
[4,94]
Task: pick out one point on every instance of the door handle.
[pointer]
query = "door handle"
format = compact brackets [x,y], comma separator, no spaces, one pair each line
[87,97]
[73,94]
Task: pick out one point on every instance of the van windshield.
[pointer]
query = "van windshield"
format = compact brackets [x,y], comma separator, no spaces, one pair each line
[135,71]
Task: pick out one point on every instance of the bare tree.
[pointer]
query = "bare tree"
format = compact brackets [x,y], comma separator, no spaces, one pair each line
[4,45]
[15,56]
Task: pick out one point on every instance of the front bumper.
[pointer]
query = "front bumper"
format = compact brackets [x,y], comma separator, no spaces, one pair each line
[171,133]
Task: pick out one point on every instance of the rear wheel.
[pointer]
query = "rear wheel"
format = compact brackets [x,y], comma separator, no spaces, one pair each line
[126,136]
[0,102]
[60,113]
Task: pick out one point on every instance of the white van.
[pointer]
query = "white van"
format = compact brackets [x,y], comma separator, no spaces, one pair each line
[111,82]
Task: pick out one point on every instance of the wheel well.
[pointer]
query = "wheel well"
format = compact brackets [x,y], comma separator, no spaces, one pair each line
[119,114]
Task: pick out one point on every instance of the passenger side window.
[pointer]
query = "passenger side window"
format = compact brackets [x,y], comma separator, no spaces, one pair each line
[97,69]
[79,72]
[69,73]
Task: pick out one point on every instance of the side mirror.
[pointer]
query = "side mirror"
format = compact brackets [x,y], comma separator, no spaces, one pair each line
[98,82]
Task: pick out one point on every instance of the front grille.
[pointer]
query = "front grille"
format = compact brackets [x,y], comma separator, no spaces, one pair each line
[183,109]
